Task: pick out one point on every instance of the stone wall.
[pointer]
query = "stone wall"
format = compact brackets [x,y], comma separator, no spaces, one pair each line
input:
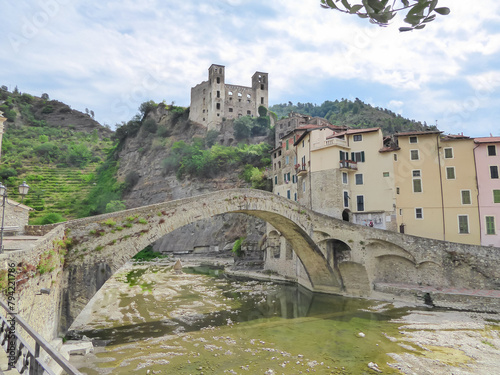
[39,230]
[36,269]
[16,215]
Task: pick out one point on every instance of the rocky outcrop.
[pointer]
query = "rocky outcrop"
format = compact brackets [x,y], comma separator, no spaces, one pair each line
[144,154]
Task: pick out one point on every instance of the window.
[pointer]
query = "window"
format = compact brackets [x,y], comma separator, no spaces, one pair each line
[346,199]
[262,100]
[419,213]
[492,150]
[218,94]
[287,144]
[413,139]
[262,86]
[448,153]
[276,180]
[343,155]
[450,173]
[494,171]
[249,113]
[360,203]
[358,157]
[385,174]
[294,179]
[288,194]
[287,160]
[395,157]
[496,196]
[295,197]
[466,197]
[414,155]
[490,225]
[279,164]
[218,79]
[359,178]
[417,182]
[304,186]
[400,212]
[344,178]
[463,224]
[230,110]
[357,138]
[302,143]
[218,105]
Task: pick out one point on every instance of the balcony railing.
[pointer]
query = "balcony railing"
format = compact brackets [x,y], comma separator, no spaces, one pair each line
[349,164]
[300,168]
[329,142]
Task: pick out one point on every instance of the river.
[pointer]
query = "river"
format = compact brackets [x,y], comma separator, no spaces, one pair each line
[148,319]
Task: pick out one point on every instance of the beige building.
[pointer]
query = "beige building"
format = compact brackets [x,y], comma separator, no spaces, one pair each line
[213,100]
[436,189]
[347,175]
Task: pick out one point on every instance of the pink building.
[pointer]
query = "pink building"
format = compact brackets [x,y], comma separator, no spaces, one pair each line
[487,158]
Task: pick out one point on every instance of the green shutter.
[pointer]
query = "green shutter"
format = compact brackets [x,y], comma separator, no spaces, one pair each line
[496,196]
[490,225]
[362,156]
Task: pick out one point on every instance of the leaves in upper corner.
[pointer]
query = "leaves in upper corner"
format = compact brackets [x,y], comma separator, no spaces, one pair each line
[418,12]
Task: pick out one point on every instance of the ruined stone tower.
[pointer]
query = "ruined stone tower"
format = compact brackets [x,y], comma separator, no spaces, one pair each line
[213,100]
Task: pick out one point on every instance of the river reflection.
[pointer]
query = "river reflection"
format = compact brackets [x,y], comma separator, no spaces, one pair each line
[191,324]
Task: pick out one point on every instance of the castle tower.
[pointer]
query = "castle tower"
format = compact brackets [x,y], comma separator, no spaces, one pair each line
[260,88]
[214,100]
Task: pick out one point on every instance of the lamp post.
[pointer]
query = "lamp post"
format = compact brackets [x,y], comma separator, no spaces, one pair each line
[23,190]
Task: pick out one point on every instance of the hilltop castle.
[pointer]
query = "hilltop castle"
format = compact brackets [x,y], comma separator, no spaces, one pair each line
[213,100]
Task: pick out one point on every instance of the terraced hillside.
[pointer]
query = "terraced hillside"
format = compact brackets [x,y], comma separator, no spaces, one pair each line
[55,149]
[55,190]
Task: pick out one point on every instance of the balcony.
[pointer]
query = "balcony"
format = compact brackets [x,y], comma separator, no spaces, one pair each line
[300,169]
[329,143]
[349,165]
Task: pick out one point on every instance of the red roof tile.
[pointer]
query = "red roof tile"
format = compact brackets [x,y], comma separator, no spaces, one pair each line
[487,140]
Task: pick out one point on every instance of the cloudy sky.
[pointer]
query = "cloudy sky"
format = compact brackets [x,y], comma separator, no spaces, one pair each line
[110,56]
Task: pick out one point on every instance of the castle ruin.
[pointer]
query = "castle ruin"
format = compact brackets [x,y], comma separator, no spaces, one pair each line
[213,100]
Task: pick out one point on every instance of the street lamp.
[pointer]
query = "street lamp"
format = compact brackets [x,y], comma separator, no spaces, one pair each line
[23,190]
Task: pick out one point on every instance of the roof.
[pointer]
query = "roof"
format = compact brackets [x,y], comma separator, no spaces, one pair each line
[489,139]
[12,203]
[353,131]
[421,132]
[454,137]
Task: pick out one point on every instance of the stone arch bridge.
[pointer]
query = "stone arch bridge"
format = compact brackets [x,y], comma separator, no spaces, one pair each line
[337,256]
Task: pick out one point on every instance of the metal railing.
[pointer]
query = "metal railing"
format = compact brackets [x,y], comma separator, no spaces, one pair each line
[20,355]
[349,164]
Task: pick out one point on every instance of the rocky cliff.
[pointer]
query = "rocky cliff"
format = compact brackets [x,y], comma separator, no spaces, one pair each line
[143,156]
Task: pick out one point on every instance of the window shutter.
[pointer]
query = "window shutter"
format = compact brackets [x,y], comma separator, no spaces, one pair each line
[362,156]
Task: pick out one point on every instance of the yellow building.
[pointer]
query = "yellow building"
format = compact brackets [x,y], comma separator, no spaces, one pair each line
[436,189]
[348,175]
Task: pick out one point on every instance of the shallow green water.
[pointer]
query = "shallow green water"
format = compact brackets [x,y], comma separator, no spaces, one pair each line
[193,324]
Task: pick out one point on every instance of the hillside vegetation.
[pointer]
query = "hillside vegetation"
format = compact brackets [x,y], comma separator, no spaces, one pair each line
[354,114]
[55,149]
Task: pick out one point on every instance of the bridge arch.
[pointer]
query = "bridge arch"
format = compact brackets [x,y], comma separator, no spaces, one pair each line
[107,242]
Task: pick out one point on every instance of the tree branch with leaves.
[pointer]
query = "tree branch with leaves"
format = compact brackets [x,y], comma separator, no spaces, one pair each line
[380,12]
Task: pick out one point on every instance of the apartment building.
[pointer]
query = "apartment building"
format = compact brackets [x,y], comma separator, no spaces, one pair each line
[487,160]
[436,189]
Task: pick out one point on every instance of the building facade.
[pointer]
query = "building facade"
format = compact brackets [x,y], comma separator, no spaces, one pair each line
[436,188]
[213,100]
[487,159]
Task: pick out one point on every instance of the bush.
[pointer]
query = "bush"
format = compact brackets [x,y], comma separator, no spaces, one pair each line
[262,111]
[132,179]
[50,218]
[79,155]
[5,173]
[242,127]
[48,152]
[211,138]
[237,247]
[115,206]
[150,126]
[48,109]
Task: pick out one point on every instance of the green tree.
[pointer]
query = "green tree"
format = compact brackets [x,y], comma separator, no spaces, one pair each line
[211,138]
[243,127]
[79,155]
[381,12]
[115,206]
